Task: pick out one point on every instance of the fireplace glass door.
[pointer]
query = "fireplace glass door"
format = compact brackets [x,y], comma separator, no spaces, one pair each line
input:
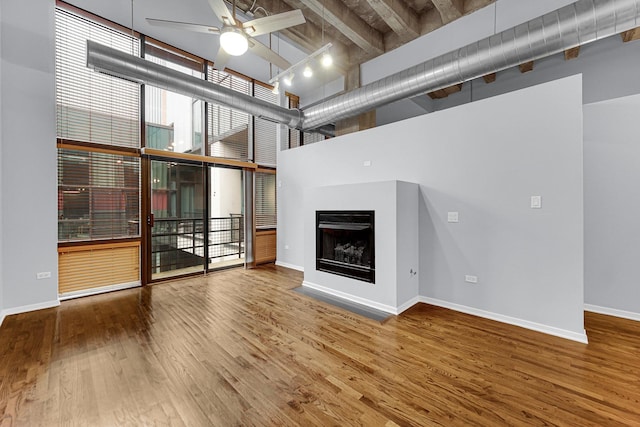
[345,244]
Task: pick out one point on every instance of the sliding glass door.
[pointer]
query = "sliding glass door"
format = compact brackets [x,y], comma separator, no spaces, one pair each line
[197,218]
[177,224]
[226,217]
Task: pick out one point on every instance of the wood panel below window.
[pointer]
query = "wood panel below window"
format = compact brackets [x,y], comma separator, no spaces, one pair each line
[265,246]
[87,267]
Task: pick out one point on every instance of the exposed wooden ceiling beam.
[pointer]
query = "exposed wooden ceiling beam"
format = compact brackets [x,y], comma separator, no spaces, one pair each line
[348,23]
[473,5]
[443,93]
[398,16]
[631,35]
[489,78]
[526,67]
[430,21]
[449,9]
[308,36]
[571,53]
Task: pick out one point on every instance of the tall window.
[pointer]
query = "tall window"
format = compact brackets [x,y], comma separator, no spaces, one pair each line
[98,196]
[98,124]
[229,130]
[265,200]
[93,107]
[174,122]
[266,134]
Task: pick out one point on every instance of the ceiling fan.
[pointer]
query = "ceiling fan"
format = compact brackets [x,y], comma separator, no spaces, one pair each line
[236,37]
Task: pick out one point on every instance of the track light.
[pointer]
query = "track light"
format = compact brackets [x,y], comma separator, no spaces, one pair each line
[327,60]
[276,88]
[288,80]
[308,72]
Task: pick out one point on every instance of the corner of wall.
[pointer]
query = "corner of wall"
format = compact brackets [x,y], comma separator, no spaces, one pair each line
[1,160]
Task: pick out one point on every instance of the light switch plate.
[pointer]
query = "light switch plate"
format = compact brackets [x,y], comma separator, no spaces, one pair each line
[452,216]
[536,202]
[367,163]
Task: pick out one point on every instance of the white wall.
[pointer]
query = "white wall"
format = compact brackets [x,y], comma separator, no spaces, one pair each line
[29,182]
[612,206]
[529,262]
[1,282]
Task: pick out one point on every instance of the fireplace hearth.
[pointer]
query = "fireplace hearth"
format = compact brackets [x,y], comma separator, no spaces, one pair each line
[345,244]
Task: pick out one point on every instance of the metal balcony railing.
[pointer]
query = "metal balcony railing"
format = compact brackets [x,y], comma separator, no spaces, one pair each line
[180,242]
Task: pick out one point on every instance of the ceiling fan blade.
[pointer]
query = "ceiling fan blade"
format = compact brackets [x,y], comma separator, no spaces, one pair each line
[184,26]
[263,51]
[222,12]
[222,58]
[273,23]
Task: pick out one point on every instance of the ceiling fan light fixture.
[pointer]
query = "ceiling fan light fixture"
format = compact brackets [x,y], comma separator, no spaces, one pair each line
[327,60]
[307,72]
[233,41]
[288,80]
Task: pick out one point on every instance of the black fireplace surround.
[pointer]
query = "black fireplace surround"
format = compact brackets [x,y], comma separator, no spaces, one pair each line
[345,244]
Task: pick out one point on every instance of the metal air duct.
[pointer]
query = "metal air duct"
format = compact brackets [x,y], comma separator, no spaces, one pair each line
[579,23]
[121,64]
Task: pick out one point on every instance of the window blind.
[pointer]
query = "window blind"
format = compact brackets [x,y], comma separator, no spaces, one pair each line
[266,134]
[228,130]
[265,201]
[98,195]
[311,137]
[93,107]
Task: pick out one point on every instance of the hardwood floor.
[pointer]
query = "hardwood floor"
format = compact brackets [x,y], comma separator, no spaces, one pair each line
[240,348]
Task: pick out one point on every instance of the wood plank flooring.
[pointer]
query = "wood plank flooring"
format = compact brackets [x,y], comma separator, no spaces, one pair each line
[240,348]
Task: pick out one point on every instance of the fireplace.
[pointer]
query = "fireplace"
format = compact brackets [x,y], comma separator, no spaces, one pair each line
[345,244]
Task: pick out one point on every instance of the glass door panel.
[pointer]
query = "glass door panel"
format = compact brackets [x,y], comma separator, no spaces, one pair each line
[226,217]
[178,231]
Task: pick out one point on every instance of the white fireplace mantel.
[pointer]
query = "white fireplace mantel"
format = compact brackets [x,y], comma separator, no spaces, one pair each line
[396,243]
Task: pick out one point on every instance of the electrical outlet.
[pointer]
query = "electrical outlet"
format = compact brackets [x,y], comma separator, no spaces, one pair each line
[452,216]
[536,202]
[471,279]
[367,163]
[43,275]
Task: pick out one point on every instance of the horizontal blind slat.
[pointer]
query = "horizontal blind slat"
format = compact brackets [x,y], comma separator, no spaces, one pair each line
[93,107]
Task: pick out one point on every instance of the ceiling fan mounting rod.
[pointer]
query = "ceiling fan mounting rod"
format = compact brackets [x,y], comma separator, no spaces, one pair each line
[233,13]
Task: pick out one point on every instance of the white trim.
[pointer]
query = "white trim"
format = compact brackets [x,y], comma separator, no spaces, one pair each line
[25,308]
[562,333]
[291,266]
[352,298]
[612,312]
[407,305]
[96,291]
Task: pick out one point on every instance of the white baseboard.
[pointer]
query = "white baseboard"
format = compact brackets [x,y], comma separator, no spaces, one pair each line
[348,297]
[291,266]
[96,291]
[24,308]
[407,305]
[562,333]
[612,312]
